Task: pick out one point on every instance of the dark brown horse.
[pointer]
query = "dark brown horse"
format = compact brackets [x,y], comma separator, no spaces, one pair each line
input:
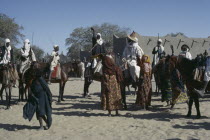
[186,68]
[44,67]
[7,83]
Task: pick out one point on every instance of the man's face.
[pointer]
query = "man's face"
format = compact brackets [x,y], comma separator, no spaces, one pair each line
[159,43]
[7,44]
[56,49]
[98,36]
[130,42]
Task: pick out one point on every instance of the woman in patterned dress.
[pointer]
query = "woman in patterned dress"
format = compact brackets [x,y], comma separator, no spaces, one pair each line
[111,94]
[143,98]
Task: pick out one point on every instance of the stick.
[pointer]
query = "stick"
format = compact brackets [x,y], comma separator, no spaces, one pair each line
[180,40]
[193,43]
[204,41]
[149,41]
[172,49]
[165,42]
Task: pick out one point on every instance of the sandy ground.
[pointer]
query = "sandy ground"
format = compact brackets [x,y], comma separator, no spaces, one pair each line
[82,118]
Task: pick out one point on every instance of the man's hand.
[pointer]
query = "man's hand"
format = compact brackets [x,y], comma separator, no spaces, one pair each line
[124,60]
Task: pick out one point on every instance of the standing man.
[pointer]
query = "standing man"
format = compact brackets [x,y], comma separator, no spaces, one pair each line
[81,67]
[55,61]
[27,57]
[158,52]
[185,52]
[131,53]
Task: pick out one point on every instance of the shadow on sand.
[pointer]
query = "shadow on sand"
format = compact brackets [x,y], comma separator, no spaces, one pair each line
[191,125]
[14,127]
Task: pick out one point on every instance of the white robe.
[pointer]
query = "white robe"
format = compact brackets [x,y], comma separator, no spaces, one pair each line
[25,51]
[81,66]
[130,53]
[207,70]
[7,56]
[186,54]
[55,60]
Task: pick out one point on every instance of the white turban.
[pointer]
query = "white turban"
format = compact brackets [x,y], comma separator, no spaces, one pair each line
[160,40]
[55,46]
[27,44]
[100,40]
[7,40]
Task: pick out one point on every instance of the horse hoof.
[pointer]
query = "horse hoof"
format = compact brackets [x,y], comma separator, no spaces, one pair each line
[198,117]
[188,115]
[8,108]
[62,100]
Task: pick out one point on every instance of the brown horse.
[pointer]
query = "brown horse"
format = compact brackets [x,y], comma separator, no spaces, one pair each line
[90,76]
[160,69]
[186,68]
[7,83]
[44,67]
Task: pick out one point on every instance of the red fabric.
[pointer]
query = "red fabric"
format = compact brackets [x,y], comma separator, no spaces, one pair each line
[54,72]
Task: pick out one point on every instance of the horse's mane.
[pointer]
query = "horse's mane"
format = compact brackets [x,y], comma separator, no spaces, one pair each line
[186,66]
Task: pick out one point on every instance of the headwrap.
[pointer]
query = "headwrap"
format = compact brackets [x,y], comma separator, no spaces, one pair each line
[100,40]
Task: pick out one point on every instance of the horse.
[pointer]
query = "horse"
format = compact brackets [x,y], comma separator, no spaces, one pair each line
[97,77]
[186,68]
[44,67]
[7,83]
[176,85]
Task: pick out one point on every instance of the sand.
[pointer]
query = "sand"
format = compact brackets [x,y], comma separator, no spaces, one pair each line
[81,118]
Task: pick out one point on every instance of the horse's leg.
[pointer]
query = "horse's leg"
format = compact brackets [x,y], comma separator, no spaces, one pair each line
[10,96]
[1,93]
[60,90]
[197,106]
[63,91]
[122,86]
[86,87]
[190,107]
[21,90]
[129,90]
[7,96]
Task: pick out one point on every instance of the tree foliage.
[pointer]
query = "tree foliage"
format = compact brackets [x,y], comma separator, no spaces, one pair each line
[10,29]
[81,38]
[39,53]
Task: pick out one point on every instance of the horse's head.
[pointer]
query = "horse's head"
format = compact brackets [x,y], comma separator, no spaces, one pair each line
[170,64]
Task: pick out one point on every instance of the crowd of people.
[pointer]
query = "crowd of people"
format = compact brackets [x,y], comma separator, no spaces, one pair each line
[102,63]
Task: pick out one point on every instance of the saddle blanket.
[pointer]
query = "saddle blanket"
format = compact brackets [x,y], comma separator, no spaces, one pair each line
[56,74]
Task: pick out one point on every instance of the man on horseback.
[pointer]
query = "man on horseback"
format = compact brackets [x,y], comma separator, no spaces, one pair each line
[27,57]
[6,58]
[206,77]
[55,61]
[131,53]
[185,52]
[158,52]
[97,46]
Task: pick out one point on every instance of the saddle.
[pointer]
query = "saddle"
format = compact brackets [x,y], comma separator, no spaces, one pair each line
[56,74]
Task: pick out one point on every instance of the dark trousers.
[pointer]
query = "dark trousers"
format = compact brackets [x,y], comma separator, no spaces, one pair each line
[87,85]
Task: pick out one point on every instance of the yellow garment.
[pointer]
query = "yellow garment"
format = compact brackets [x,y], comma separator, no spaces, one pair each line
[148,59]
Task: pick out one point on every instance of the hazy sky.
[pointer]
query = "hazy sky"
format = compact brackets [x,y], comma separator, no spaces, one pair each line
[53,20]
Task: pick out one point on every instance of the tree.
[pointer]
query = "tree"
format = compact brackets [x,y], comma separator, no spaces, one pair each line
[10,29]
[39,53]
[81,38]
